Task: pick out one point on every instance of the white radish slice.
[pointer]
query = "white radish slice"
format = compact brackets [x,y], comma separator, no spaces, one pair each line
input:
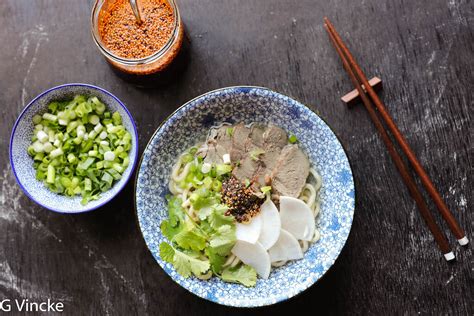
[271,224]
[254,255]
[296,218]
[250,231]
[286,248]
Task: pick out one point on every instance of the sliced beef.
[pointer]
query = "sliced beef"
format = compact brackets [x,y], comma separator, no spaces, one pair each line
[251,168]
[266,164]
[223,137]
[273,140]
[239,139]
[214,154]
[283,165]
[218,144]
[209,153]
[290,172]
[246,169]
[275,137]
[255,138]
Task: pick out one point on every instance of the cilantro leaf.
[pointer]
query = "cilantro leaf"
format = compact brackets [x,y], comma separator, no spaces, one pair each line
[204,212]
[243,274]
[216,260]
[218,218]
[166,252]
[175,211]
[185,264]
[223,240]
[205,226]
[168,230]
[190,239]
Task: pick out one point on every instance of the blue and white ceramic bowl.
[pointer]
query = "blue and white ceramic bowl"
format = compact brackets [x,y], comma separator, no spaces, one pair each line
[22,164]
[191,123]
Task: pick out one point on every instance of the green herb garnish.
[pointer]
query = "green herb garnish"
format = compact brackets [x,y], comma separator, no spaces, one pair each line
[255,154]
[266,189]
[78,148]
[292,139]
[200,245]
[247,183]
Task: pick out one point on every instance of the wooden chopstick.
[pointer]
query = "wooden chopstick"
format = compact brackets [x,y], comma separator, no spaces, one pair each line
[425,180]
[408,180]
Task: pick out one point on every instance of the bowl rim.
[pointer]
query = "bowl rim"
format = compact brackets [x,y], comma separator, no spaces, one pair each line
[184,105]
[20,117]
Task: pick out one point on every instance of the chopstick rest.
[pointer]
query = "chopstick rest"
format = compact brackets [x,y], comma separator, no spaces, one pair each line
[353,97]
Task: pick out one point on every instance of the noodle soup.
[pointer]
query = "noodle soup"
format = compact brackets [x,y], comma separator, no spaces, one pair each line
[244,200]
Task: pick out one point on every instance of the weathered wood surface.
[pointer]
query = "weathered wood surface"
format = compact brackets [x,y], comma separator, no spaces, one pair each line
[97,263]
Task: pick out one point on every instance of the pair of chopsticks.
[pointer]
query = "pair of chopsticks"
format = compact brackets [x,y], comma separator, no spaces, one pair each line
[370,99]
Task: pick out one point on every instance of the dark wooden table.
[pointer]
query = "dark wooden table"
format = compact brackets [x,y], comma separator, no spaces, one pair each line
[98,263]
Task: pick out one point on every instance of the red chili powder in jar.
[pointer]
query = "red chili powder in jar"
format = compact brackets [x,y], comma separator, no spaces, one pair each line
[123,36]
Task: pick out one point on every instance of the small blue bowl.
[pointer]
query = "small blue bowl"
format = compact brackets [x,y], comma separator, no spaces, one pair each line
[191,123]
[22,164]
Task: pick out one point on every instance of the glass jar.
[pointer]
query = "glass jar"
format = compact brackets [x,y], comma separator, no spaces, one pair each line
[155,63]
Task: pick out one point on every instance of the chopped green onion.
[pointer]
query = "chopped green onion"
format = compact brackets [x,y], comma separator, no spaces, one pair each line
[92,134]
[77,140]
[87,184]
[187,158]
[56,152]
[38,157]
[50,117]
[109,156]
[51,175]
[71,158]
[193,150]
[72,126]
[125,161]
[47,147]
[74,154]
[247,183]
[103,135]
[84,165]
[37,119]
[229,131]
[292,139]
[66,182]
[99,165]
[266,189]
[207,182]
[107,178]
[118,167]
[254,154]
[216,185]
[51,136]
[98,128]
[116,118]
[99,106]
[222,169]
[94,119]
[31,150]
[93,153]
[42,136]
